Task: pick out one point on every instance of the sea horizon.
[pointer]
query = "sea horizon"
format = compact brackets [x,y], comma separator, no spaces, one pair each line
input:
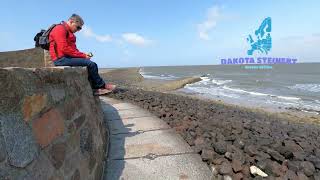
[197,65]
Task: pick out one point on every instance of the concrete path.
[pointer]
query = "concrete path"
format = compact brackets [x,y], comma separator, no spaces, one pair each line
[144,147]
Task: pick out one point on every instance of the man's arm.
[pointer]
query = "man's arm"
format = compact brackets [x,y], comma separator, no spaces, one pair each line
[59,36]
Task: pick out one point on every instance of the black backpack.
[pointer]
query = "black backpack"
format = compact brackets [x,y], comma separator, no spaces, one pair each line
[42,38]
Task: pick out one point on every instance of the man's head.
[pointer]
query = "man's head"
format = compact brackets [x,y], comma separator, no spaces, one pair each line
[75,22]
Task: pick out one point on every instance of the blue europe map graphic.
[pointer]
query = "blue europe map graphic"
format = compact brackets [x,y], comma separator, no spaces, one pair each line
[263,42]
[260,42]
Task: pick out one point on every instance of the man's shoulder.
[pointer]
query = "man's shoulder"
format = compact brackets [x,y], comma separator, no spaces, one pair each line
[58,29]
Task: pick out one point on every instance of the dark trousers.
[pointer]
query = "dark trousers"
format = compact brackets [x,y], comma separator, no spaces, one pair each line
[94,78]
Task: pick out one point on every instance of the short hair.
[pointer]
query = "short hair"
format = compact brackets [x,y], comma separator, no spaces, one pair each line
[76,18]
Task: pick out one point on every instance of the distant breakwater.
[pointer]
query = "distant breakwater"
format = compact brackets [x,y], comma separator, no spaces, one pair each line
[131,77]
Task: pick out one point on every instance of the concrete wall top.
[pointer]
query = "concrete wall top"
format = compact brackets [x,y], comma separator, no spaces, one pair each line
[28,58]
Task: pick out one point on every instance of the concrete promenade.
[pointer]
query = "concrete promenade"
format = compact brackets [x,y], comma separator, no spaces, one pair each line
[144,147]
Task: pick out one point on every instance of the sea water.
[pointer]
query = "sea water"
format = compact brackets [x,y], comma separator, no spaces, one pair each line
[283,86]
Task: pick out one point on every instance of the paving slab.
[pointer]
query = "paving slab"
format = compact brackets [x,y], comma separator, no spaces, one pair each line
[125,114]
[178,167]
[144,147]
[160,142]
[110,100]
[137,124]
[124,106]
[119,106]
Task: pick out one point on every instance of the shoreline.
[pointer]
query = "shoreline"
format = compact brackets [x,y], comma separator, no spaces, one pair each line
[132,78]
[285,114]
[298,115]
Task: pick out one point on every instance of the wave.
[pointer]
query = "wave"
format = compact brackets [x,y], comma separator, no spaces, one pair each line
[204,78]
[289,98]
[246,92]
[162,76]
[262,94]
[215,88]
[220,82]
[207,81]
[159,77]
[225,91]
[306,87]
[210,91]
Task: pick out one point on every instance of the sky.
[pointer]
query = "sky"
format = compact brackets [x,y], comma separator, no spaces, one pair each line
[168,32]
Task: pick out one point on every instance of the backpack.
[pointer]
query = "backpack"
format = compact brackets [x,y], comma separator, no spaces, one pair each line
[42,38]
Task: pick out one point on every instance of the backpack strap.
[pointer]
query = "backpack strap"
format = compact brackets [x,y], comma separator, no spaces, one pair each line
[65,28]
[67,35]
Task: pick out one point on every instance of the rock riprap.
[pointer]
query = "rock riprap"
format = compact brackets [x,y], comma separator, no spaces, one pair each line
[232,139]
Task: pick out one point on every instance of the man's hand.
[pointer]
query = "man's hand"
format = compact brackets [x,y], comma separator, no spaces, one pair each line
[89,55]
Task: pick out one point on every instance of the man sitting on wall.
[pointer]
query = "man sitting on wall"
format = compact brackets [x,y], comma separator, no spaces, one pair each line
[64,52]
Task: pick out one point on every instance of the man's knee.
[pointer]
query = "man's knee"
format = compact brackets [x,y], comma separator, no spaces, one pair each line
[92,64]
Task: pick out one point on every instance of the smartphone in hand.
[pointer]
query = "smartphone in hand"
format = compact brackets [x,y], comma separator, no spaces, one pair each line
[90,54]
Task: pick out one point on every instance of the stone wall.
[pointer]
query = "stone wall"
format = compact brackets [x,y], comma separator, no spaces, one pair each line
[28,58]
[51,126]
[232,139]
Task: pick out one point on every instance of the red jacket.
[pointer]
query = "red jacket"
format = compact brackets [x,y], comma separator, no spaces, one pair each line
[65,46]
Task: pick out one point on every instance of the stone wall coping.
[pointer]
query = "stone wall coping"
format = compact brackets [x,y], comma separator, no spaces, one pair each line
[56,67]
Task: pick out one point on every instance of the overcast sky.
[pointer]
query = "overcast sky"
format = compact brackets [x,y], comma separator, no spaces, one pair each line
[168,32]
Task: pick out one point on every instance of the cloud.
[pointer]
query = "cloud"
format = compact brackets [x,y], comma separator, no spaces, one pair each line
[130,38]
[213,16]
[135,39]
[87,32]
